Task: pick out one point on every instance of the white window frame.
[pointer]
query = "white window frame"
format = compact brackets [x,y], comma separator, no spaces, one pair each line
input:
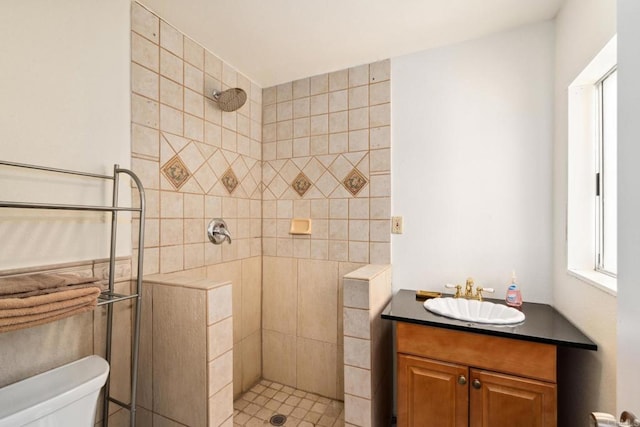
[583,145]
[602,208]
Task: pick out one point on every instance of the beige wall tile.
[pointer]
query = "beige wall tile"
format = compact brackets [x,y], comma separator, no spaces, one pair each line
[269,95]
[219,303]
[319,104]
[171,258]
[219,338]
[356,293]
[316,367]
[284,92]
[357,382]
[358,251]
[144,111]
[171,120]
[251,348]
[357,411]
[317,300]
[171,39]
[301,88]
[357,352]
[359,75]
[171,93]
[171,232]
[380,115]
[144,81]
[220,372]
[380,93]
[379,71]
[339,80]
[145,52]
[280,294]
[179,316]
[356,323]
[193,53]
[251,296]
[171,205]
[171,66]
[338,250]
[380,137]
[221,406]
[144,22]
[319,84]
[279,357]
[145,141]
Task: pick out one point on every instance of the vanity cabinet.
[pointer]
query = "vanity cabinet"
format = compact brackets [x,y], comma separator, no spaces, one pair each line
[458,379]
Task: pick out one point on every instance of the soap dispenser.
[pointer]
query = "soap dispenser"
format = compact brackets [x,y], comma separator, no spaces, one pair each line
[514,296]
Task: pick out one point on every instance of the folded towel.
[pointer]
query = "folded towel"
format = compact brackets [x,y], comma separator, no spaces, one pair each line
[18,324]
[17,313]
[13,307]
[40,283]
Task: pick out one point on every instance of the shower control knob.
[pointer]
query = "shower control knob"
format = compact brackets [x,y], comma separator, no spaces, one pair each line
[218,232]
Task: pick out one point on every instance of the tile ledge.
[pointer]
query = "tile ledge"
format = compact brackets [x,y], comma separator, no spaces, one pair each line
[368,272]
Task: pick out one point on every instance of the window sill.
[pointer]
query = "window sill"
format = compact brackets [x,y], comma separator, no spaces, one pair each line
[596,279]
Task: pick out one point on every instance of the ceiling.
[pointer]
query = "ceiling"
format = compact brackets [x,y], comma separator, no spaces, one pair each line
[277,41]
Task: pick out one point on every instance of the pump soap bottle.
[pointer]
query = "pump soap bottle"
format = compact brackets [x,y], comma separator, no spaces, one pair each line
[514,296]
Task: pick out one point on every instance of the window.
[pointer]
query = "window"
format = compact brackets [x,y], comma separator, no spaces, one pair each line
[606,175]
[592,172]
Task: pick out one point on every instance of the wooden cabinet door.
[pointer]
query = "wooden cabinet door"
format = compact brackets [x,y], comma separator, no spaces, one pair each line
[432,393]
[498,400]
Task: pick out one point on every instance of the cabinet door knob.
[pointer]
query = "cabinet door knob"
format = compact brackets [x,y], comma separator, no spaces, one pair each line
[462,380]
[476,384]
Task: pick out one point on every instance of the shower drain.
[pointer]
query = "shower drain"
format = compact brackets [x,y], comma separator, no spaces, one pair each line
[278,420]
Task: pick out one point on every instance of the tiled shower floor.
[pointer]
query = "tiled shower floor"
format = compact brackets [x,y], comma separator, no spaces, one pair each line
[302,409]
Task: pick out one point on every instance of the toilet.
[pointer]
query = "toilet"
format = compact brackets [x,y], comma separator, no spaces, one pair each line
[62,397]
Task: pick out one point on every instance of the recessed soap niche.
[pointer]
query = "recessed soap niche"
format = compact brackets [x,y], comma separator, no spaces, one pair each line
[300,226]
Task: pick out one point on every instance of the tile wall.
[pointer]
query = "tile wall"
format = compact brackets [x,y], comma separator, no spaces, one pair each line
[368,347]
[326,156]
[196,163]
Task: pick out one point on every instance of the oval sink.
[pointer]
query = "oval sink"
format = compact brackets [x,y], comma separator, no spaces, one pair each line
[474,311]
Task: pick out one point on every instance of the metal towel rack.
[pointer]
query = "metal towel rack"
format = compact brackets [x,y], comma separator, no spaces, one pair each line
[109,296]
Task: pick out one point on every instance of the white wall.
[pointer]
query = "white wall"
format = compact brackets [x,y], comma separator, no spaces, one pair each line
[471,161]
[628,205]
[64,102]
[583,27]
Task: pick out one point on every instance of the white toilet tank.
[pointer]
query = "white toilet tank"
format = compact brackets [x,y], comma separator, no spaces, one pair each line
[62,397]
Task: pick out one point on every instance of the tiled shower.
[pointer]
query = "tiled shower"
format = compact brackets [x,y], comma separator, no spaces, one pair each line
[317,148]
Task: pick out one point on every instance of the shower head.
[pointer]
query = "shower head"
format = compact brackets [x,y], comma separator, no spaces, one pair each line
[230,99]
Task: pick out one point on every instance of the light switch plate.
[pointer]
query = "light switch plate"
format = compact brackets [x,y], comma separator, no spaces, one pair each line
[396,224]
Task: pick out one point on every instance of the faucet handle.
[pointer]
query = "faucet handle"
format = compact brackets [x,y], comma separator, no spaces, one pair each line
[458,289]
[480,290]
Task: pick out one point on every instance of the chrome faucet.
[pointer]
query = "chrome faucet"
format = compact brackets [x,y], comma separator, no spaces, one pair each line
[218,232]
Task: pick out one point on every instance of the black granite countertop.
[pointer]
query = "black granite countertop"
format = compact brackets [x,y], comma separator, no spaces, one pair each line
[542,323]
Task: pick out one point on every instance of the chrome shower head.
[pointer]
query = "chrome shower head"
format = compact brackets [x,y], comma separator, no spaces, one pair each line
[230,99]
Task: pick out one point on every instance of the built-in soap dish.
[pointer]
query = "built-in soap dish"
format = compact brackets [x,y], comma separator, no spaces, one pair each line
[300,226]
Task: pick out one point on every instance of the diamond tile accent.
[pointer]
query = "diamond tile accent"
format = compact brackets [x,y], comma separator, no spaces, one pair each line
[229,180]
[301,184]
[176,172]
[354,182]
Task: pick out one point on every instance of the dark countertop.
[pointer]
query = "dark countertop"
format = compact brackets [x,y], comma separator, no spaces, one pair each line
[543,323]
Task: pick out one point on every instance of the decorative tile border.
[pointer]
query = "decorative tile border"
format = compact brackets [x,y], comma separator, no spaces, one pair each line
[229,180]
[176,172]
[301,184]
[354,181]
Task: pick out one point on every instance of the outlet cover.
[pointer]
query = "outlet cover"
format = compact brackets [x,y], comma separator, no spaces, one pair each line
[396,225]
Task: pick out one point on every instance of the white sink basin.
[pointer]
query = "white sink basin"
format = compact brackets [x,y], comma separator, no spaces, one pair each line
[474,311]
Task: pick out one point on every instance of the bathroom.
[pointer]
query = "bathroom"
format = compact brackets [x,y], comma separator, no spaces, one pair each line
[502,177]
